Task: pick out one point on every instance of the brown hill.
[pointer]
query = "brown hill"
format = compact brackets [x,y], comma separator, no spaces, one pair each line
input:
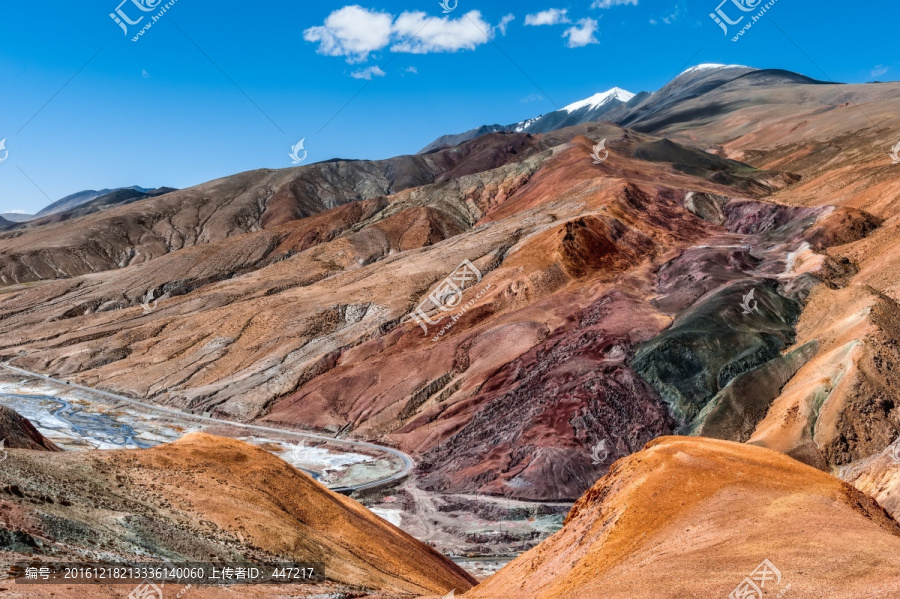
[307,323]
[206,499]
[17,432]
[691,517]
[667,289]
[231,206]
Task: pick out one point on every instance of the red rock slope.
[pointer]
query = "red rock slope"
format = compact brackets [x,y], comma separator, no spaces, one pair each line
[18,433]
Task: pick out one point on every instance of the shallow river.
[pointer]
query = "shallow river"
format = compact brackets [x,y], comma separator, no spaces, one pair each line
[75,420]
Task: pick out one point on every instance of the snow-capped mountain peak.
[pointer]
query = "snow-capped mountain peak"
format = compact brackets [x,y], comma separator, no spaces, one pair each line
[600,99]
[711,66]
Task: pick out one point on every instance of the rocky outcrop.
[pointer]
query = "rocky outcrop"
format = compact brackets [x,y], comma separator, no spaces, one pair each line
[17,432]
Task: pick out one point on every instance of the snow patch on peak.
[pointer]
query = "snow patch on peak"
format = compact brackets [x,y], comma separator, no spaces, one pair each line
[521,126]
[711,66]
[600,99]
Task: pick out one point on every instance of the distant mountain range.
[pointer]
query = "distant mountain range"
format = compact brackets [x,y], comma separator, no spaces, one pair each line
[635,111]
[80,204]
[596,108]
[16,217]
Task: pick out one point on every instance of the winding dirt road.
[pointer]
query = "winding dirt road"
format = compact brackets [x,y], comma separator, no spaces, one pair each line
[407,462]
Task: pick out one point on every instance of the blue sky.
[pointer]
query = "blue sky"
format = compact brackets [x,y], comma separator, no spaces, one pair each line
[216,88]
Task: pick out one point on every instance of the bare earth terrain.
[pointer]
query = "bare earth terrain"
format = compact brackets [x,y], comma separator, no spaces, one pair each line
[728,272]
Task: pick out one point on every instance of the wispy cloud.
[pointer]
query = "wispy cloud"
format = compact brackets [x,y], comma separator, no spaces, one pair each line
[551,16]
[582,33]
[412,70]
[504,23]
[368,73]
[673,17]
[611,3]
[879,70]
[354,33]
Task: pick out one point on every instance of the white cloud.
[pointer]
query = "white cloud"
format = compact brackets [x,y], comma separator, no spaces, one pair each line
[609,3]
[582,33]
[880,70]
[352,31]
[417,33]
[412,70]
[551,16]
[504,23]
[355,32]
[368,73]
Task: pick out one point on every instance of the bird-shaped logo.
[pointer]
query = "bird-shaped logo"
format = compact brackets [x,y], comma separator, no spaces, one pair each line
[599,453]
[445,4]
[4,153]
[300,454]
[600,147]
[895,452]
[296,158]
[895,152]
[750,305]
[148,304]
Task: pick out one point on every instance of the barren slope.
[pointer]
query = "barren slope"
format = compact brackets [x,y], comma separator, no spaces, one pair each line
[691,517]
[227,207]
[583,264]
[205,499]
[842,406]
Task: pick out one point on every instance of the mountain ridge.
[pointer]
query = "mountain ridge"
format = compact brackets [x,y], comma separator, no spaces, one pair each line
[628,109]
